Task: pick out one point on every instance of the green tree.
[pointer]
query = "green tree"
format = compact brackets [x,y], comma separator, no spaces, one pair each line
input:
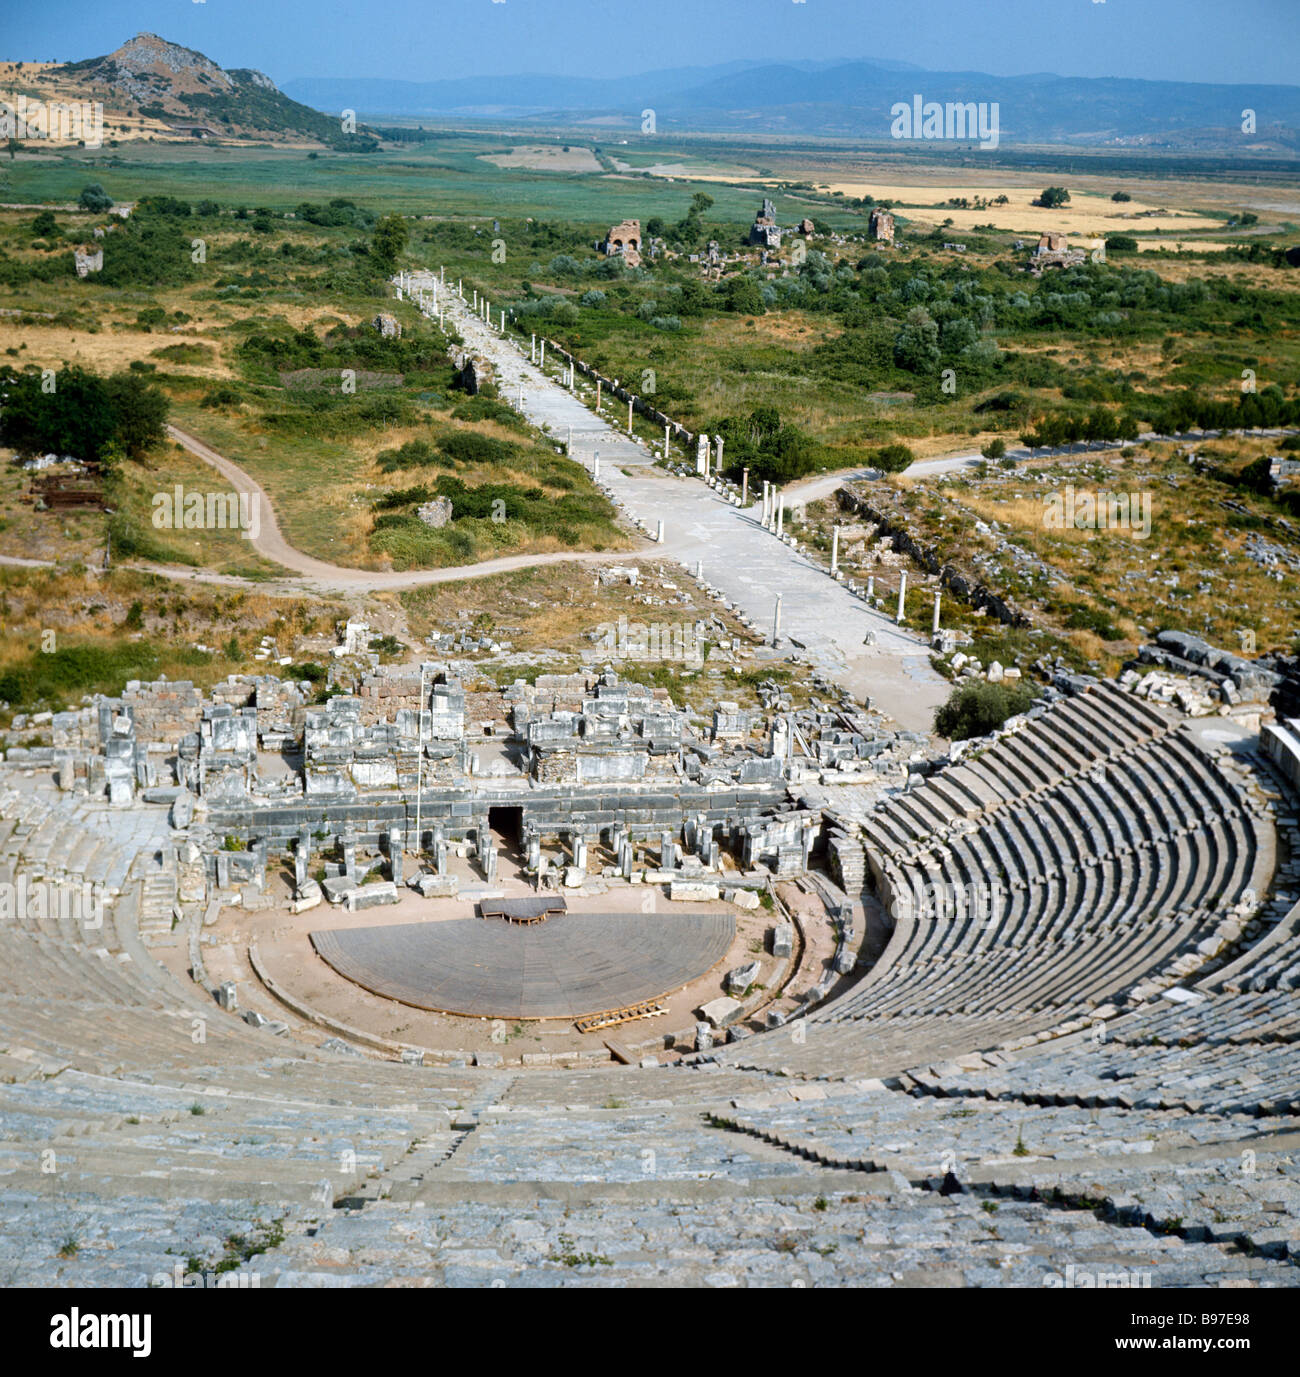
[45,226]
[742,295]
[390,239]
[75,418]
[916,346]
[892,458]
[139,413]
[94,199]
[1054,196]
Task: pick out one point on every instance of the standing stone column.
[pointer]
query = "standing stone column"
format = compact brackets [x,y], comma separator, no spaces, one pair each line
[902,594]
[543,358]
[935,628]
[702,456]
[534,854]
[871,585]
[349,841]
[667,850]
[717,453]
[744,487]
[631,402]
[395,855]
[301,856]
[776,620]
[490,863]
[532,350]
[580,853]
[835,550]
[780,514]
[659,536]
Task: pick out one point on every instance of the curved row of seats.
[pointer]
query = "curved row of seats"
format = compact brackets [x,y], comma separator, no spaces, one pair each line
[1084,860]
[1220,1054]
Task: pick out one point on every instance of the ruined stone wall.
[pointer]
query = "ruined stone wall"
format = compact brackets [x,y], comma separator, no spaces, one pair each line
[906,542]
[551,811]
[164,711]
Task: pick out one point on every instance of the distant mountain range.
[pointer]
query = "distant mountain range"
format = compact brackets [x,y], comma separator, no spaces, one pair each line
[157,89]
[849,99]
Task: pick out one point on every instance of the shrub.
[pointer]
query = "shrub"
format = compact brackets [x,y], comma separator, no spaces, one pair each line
[469,447]
[892,458]
[95,199]
[979,708]
[995,449]
[413,454]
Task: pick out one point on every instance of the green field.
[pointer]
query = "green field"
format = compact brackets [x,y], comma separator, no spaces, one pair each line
[446,176]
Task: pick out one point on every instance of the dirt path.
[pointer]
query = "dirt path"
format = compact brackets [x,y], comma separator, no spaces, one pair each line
[316,573]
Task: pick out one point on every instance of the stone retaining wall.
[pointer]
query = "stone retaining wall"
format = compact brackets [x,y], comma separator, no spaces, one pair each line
[905,541]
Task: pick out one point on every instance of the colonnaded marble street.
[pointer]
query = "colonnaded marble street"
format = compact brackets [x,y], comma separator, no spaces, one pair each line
[703,529]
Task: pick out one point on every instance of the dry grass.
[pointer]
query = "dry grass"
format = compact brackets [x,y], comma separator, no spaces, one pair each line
[546,158]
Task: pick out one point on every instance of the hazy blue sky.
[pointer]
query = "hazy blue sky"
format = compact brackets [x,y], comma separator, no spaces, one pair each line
[1187,40]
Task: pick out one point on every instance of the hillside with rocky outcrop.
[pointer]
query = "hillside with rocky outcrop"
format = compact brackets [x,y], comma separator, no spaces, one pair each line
[150,88]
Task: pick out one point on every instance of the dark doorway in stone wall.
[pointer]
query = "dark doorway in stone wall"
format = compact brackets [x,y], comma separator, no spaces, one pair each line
[507,826]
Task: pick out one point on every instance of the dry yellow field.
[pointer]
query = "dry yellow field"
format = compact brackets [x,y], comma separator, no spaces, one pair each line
[546,158]
[1086,214]
[1205,245]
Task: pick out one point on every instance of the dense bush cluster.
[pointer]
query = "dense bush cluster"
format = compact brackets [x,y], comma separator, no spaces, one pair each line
[82,414]
[978,708]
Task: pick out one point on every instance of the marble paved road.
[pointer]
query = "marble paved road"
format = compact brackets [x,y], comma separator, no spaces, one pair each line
[748,564]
